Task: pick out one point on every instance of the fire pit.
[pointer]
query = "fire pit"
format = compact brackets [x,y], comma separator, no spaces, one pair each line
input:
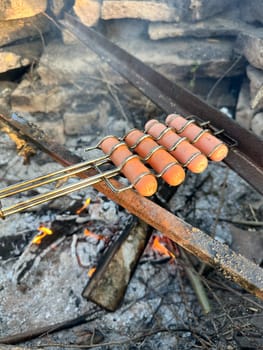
[50,254]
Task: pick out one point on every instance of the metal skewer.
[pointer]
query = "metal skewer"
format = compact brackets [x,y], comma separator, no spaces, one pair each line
[50,177]
[54,176]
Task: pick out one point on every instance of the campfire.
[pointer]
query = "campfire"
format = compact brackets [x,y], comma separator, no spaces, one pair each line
[145,238]
[43,232]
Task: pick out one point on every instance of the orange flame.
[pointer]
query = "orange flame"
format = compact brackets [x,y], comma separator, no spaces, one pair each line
[91,234]
[160,248]
[91,271]
[43,232]
[84,206]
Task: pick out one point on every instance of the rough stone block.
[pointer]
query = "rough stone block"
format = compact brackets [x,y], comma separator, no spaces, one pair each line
[250,45]
[14,9]
[88,11]
[82,123]
[126,30]
[148,10]
[201,9]
[244,112]
[18,29]
[256,87]
[17,56]
[212,27]
[257,124]
[32,97]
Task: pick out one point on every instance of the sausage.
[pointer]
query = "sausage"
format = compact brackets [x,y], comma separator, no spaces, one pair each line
[179,147]
[131,166]
[208,144]
[158,158]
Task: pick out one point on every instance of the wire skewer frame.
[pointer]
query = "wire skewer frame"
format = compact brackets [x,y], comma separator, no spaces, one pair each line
[160,146]
[65,173]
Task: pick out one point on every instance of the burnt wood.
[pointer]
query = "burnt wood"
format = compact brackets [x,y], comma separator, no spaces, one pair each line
[109,282]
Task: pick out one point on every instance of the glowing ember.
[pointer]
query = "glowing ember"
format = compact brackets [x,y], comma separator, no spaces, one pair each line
[91,271]
[91,234]
[43,232]
[160,248]
[84,206]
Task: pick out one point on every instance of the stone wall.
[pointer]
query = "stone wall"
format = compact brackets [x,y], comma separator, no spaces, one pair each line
[213,48]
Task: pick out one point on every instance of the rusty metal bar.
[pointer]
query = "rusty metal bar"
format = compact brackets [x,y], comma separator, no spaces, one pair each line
[239,269]
[246,159]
